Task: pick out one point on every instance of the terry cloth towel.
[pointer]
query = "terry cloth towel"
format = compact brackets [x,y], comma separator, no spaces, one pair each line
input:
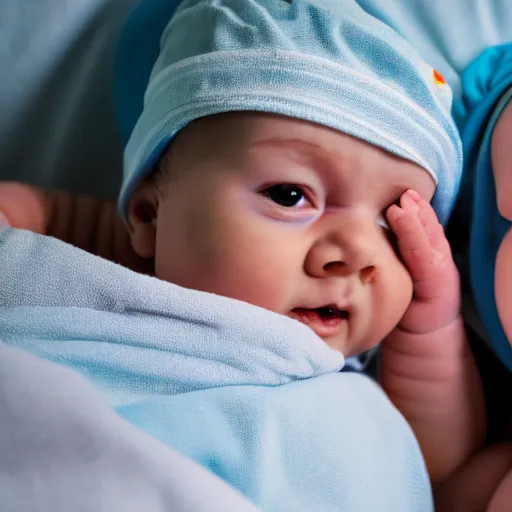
[325,61]
[255,397]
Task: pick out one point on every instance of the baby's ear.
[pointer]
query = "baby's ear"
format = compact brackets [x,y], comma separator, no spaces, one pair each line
[142,218]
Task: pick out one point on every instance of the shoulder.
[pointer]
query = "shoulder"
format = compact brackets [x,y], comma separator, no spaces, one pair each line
[501,157]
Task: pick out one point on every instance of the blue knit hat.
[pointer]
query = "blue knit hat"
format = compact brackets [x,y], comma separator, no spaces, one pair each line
[325,61]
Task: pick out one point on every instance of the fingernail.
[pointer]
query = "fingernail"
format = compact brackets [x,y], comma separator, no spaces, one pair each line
[4,223]
[414,195]
[396,212]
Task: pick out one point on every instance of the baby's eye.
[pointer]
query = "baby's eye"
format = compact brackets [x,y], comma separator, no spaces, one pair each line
[381,221]
[285,195]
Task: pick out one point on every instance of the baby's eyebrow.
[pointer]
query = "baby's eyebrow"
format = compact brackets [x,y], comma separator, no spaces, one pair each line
[304,148]
[283,141]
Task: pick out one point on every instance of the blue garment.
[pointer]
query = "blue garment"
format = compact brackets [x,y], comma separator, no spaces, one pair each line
[448,34]
[468,41]
[63,449]
[254,396]
[487,89]
[325,61]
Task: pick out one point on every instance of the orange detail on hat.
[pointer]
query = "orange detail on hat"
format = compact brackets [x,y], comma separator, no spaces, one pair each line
[439,78]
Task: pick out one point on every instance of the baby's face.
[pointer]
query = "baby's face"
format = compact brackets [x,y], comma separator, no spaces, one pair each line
[286,215]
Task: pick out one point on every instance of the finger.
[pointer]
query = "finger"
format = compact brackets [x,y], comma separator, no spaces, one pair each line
[432,226]
[412,240]
[429,267]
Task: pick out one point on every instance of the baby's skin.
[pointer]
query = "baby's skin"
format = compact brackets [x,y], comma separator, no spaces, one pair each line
[429,373]
[427,368]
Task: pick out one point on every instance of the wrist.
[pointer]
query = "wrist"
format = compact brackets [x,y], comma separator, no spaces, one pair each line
[447,342]
[432,327]
[427,316]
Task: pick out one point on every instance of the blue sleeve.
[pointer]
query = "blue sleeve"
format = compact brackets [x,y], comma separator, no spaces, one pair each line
[484,81]
[487,90]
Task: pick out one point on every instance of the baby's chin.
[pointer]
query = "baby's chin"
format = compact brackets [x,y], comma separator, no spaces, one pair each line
[349,346]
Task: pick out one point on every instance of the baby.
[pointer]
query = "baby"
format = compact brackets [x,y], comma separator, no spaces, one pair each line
[287,159]
[280,220]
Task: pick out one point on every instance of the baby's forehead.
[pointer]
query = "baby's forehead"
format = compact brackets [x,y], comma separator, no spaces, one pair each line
[281,147]
[325,61]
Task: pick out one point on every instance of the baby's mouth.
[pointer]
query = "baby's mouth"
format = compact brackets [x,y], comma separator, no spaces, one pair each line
[326,321]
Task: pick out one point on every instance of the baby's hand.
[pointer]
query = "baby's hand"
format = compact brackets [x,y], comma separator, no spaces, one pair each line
[427,255]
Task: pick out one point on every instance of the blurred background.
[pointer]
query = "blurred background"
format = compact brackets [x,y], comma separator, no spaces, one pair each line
[57,125]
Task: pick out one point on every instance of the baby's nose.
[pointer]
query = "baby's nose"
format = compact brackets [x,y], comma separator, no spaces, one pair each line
[338,268]
[345,252]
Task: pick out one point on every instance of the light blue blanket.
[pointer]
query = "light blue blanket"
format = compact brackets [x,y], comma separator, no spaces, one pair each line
[62,449]
[251,395]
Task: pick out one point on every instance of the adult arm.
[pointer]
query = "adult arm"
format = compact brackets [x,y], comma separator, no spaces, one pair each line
[88,223]
[501,157]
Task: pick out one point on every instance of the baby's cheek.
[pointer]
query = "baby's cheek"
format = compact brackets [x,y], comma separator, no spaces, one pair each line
[503,284]
[392,297]
[399,293]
